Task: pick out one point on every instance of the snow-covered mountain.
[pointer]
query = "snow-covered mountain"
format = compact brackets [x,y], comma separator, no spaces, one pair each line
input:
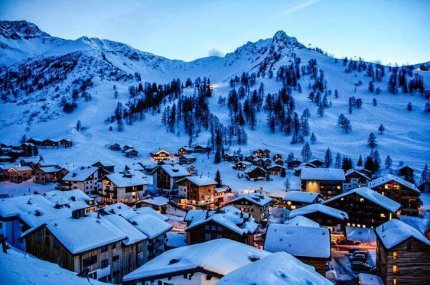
[38,73]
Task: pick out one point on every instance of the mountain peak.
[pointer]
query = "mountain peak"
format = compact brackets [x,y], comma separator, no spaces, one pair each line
[17,30]
[281,38]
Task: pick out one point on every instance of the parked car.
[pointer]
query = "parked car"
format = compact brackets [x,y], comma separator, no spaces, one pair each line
[358,257]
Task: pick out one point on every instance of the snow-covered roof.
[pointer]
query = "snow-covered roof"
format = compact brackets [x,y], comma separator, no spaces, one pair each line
[85,233]
[73,199]
[50,169]
[220,256]
[324,174]
[365,235]
[422,224]
[278,268]
[301,196]
[120,209]
[80,173]
[298,241]
[133,234]
[18,267]
[301,221]
[195,215]
[152,212]
[150,225]
[254,198]
[176,239]
[156,201]
[188,156]
[395,232]
[231,218]
[314,208]
[370,195]
[200,180]
[175,170]
[22,168]
[390,177]
[369,279]
[351,171]
[129,179]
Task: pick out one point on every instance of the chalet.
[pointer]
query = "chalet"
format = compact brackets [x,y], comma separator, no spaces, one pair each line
[227,222]
[298,170]
[197,264]
[261,153]
[89,243]
[255,204]
[406,172]
[187,159]
[402,254]
[294,163]
[399,190]
[184,150]
[104,167]
[277,156]
[6,158]
[241,165]
[329,217]
[127,147]
[84,178]
[317,162]
[354,179]
[201,149]
[297,199]
[250,158]
[197,190]
[365,171]
[50,143]
[220,193]
[158,203]
[256,173]
[146,220]
[231,157]
[4,173]
[279,161]
[262,162]
[160,155]
[276,170]
[366,208]
[326,181]
[289,270]
[131,153]
[21,213]
[65,143]
[19,174]
[127,187]
[167,175]
[191,169]
[48,174]
[35,141]
[311,245]
[115,147]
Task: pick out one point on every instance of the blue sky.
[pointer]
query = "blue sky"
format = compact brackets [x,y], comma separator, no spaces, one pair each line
[393,31]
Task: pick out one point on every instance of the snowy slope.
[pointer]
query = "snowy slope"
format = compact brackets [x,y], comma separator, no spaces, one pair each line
[38,114]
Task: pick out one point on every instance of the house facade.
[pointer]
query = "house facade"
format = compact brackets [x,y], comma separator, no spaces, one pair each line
[326,181]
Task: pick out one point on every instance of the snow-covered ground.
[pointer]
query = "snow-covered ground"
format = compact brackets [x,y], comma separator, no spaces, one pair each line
[18,268]
[24,188]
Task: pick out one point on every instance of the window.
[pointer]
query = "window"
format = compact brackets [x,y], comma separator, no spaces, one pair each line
[207,227]
[115,257]
[38,237]
[47,240]
[207,236]
[89,261]
[394,268]
[105,263]
[56,243]
[114,246]
[395,255]
[104,248]
[382,215]
[214,228]
[394,281]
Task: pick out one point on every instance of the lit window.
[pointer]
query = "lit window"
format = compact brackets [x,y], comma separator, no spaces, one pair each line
[394,268]
[394,281]
[361,199]
[341,199]
[348,224]
[293,207]
[395,255]
[382,215]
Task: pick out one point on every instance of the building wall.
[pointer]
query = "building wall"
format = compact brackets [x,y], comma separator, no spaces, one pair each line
[211,230]
[318,263]
[197,194]
[19,176]
[259,213]
[409,199]
[413,263]
[327,189]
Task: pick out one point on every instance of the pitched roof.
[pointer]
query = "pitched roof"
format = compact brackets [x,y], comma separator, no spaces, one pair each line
[21,168]
[301,196]
[72,199]
[133,234]
[372,196]
[277,268]
[175,170]
[156,201]
[80,173]
[301,221]
[150,225]
[365,235]
[351,171]
[318,208]
[390,177]
[254,198]
[298,241]
[129,179]
[395,232]
[200,180]
[50,169]
[324,174]
[220,256]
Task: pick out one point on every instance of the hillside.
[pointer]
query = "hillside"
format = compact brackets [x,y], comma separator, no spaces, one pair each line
[39,74]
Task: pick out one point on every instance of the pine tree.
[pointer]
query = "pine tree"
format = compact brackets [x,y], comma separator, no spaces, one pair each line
[371,87]
[218,179]
[369,165]
[217,157]
[381,129]
[360,161]
[388,162]
[338,161]
[78,126]
[371,141]
[425,175]
[287,184]
[375,102]
[23,140]
[346,164]
[306,152]
[328,160]
[409,107]
[35,151]
[313,138]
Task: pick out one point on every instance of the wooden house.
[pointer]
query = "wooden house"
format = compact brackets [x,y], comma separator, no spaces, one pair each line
[399,190]
[262,153]
[257,173]
[160,155]
[317,162]
[326,181]
[48,174]
[220,193]
[158,203]
[294,163]
[276,170]
[35,141]
[127,187]
[277,156]
[279,161]
[201,149]
[187,159]
[231,157]
[19,174]
[402,254]
[85,178]
[6,158]
[298,170]
[65,143]
[242,165]
[227,222]
[167,175]
[104,167]
[328,217]
[4,172]
[309,244]
[50,143]
[262,162]
[250,158]
[127,147]
[366,208]
[197,190]
[297,199]
[354,179]
[406,172]
[115,147]
[184,150]
[253,203]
